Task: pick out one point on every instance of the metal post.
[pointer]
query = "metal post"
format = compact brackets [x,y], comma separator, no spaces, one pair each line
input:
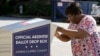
[53,3]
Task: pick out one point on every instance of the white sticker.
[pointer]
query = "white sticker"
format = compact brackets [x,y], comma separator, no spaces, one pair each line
[60,4]
[67,0]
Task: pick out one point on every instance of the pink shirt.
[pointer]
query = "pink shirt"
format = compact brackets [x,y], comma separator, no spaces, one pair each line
[89,46]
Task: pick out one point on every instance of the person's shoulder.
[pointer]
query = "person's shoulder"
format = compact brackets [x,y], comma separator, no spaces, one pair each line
[89,17]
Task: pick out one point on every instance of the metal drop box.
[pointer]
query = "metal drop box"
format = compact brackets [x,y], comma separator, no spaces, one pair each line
[27,38]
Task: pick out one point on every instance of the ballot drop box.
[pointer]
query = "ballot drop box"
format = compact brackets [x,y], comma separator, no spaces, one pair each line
[27,38]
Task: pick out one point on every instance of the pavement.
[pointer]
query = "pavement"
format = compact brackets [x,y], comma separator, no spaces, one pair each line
[58,48]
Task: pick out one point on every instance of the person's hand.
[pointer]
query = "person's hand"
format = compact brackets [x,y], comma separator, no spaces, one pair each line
[62,37]
[59,29]
[57,34]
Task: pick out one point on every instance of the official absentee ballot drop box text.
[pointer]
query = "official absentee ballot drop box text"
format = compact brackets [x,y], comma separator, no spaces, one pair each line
[28,38]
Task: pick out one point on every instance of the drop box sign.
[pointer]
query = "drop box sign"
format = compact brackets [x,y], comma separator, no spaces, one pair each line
[31,39]
[32,42]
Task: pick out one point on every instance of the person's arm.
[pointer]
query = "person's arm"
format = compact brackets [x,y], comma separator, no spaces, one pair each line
[77,34]
[62,37]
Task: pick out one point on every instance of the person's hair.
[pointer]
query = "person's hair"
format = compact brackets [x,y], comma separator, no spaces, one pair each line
[73,8]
